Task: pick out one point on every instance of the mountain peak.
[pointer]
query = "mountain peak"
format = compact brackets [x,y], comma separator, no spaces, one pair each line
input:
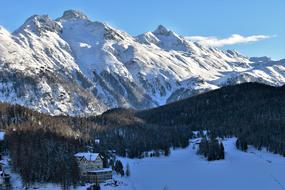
[260,59]
[39,24]
[162,30]
[3,30]
[37,18]
[73,15]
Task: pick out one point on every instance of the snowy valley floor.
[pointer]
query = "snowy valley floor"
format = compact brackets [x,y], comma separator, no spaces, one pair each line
[184,170]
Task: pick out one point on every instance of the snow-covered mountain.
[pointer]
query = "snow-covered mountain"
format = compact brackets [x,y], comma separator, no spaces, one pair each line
[75,66]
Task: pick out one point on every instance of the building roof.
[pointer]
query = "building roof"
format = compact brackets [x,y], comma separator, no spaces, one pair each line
[2,162]
[100,170]
[87,155]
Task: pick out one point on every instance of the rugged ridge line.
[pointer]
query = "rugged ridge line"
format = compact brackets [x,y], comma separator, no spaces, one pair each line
[75,66]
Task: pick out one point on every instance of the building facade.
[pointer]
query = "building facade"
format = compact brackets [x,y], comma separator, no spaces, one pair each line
[91,168]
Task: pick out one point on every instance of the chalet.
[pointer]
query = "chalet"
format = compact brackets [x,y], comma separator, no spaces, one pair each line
[91,167]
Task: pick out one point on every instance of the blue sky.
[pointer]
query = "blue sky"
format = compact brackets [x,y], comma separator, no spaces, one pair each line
[215,20]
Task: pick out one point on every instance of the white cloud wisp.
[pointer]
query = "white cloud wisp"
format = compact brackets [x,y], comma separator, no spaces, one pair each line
[233,39]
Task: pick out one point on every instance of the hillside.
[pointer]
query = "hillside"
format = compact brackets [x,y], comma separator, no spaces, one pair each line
[252,111]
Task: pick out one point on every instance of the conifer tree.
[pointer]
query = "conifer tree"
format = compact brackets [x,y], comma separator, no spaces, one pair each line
[128,170]
[119,168]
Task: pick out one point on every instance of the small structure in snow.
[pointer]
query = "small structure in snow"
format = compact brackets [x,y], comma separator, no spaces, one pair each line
[91,167]
[2,135]
[97,141]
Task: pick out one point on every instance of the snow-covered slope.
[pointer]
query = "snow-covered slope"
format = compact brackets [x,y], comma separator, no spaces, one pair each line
[184,170]
[75,66]
[38,71]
